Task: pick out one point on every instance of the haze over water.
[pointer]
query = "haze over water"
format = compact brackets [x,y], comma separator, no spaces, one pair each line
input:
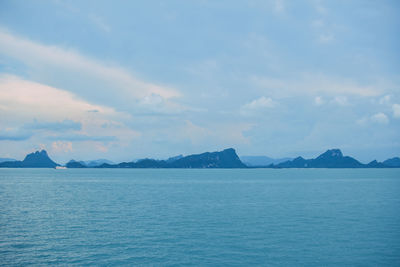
[285,217]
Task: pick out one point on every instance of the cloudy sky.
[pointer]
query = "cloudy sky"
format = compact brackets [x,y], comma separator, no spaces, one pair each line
[130,79]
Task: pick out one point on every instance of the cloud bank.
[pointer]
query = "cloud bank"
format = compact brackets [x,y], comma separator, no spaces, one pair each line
[91,79]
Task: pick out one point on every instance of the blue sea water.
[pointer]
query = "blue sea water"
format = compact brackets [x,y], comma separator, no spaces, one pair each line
[200,217]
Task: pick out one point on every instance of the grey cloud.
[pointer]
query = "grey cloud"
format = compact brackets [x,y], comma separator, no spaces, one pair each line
[15,135]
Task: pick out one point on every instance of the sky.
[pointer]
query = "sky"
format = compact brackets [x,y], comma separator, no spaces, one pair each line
[124,80]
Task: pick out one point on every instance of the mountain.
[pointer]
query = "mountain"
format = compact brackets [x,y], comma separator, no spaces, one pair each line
[87,164]
[332,158]
[298,162]
[223,159]
[38,159]
[97,162]
[75,164]
[393,162]
[172,159]
[260,161]
[6,159]
[151,163]
[142,163]
[375,164]
[11,164]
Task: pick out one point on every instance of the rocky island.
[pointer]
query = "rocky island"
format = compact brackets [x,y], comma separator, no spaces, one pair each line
[332,158]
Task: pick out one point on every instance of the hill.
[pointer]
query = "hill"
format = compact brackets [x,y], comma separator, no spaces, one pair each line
[6,159]
[38,159]
[222,159]
[332,158]
[259,161]
[393,162]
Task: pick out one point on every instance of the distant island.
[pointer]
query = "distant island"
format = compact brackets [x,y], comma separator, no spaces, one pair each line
[38,159]
[227,158]
[334,158]
[256,161]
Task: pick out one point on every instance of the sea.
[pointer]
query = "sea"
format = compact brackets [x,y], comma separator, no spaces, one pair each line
[200,217]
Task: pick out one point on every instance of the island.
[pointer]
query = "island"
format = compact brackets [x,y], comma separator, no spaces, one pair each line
[332,158]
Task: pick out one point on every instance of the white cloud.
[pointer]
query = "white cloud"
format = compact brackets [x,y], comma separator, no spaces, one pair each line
[396,110]
[384,100]
[43,107]
[45,61]
[22,98]
[155,105]
[340,100]
[262,102]
[380,118]
[60,146]
[257,104]
[319,101]
[313,83]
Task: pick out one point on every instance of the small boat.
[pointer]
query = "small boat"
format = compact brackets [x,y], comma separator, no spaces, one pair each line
[60,168]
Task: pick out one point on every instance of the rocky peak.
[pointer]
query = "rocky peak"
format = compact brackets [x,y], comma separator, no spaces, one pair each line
[331,153]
